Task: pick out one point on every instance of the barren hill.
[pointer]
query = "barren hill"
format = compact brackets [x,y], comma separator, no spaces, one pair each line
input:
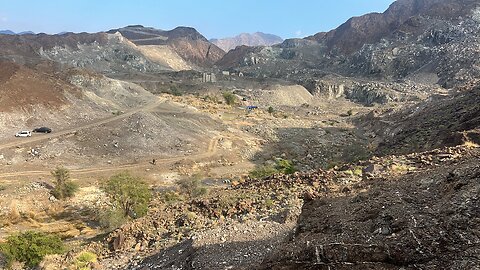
[255,39]
[21,88]
[187,42]
[101,52]
[413,39]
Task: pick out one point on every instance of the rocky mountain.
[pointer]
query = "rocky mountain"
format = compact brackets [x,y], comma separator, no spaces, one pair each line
[7,32]
[101,52]
[255,39]
[186,42]
[426,41]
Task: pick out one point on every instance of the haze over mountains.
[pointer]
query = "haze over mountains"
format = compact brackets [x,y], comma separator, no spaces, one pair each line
[349,149]
[9,32]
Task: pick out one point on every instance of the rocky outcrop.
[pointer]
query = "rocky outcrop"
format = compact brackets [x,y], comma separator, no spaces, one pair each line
[430,124]
[419,220]
[325,89]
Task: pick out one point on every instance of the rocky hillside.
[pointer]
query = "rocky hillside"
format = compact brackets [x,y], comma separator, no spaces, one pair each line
[187,42]
[423,220]
[255,39]
[45,94]
[428,41]
[439,121]
[101,52]
[21,88]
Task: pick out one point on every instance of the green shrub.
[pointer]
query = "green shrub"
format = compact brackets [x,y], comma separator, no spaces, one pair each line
[270,110]
[284,166]
[192,187]
[262,171]
[170,196]
[30,247]
[174,91]
[111,219]
[230,98]
[84,260]
[64,187]
[129,194]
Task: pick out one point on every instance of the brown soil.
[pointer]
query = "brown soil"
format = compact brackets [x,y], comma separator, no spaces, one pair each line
[21,88]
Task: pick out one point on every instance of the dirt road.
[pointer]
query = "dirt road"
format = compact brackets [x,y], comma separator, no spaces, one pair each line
[40,137]
[209,152]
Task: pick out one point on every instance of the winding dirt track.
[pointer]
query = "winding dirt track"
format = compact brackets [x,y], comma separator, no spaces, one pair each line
[209,152]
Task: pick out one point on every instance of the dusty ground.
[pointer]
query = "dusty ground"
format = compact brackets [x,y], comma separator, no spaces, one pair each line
[187,135]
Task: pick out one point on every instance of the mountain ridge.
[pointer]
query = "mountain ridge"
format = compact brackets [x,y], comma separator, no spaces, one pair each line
[247,39]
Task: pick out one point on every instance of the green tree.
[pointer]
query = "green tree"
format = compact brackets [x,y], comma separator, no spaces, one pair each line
[270,110]
[230,98]
[30,247]
[64,187]
[129,194]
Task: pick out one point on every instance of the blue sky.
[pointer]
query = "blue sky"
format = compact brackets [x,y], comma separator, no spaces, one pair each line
[212,18]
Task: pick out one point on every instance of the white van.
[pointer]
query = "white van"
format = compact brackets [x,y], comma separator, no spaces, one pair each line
[24,133]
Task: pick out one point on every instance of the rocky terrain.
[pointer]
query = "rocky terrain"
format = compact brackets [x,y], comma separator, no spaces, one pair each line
[255,39]
[356,148]
[428,42]
[184,41]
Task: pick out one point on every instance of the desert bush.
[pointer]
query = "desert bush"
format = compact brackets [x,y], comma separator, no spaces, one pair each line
[129,194]
[111,219]
[174,91]
[192,187]
[84,260]
[284,166]
[270,110]
[30,247]
[64,187]
[170,196]
[230,98]
[262,171]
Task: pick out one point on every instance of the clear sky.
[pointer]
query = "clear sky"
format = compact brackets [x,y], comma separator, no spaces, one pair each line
[212,18]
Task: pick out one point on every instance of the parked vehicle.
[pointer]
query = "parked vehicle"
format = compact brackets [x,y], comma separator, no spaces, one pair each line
[42,130]
[23,133]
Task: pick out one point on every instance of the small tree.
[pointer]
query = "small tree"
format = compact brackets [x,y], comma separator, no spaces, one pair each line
[270,110]
[30,247]
[64,187]
[129,193]
[230,98]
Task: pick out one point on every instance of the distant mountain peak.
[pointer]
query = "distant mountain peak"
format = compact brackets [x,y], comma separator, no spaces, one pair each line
[10,32]
[254,39]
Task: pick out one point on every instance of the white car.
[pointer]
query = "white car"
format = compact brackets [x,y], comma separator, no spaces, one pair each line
[24,133]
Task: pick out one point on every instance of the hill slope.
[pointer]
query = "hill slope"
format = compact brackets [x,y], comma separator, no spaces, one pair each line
[184,41]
